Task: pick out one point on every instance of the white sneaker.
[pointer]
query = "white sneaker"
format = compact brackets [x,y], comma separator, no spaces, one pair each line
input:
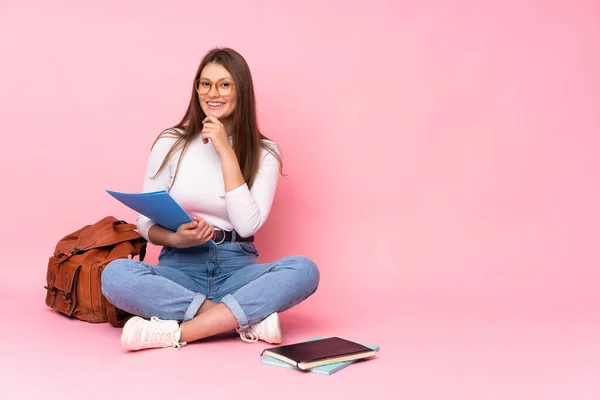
[139,333]
[268,330]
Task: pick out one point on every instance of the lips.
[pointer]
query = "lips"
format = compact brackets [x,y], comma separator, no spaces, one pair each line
[214,104]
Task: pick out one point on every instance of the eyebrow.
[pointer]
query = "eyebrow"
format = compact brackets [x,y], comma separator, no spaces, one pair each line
[218,80]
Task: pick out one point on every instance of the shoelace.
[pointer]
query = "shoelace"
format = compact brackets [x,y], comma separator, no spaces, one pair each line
[159,333]
[249,335]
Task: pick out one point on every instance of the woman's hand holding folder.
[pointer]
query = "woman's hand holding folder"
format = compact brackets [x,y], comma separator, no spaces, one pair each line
[194,233]
[190,234]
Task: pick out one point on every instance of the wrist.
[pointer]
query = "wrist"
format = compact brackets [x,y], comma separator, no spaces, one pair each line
[228,154]
[173,239]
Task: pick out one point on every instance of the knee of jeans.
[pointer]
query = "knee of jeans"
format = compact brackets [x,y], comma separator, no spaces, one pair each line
[308,272]
[112,276]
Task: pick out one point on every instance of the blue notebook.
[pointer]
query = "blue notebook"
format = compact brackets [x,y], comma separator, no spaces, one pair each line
[323,369]
[159,206]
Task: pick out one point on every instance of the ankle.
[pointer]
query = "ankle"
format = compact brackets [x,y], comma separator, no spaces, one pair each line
[206,305]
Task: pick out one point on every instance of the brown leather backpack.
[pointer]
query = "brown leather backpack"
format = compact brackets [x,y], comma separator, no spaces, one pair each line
[75,269]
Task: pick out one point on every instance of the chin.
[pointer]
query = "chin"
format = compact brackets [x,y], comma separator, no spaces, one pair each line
[218,114]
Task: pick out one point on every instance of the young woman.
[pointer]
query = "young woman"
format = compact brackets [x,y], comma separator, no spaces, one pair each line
[218,166]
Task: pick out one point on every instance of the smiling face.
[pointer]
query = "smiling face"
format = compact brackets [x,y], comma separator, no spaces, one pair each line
[216,92]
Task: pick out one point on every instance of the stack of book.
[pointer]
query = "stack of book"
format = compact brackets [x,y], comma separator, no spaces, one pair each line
[319,355]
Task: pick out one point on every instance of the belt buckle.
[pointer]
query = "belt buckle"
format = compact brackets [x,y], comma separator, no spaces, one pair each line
[222,240]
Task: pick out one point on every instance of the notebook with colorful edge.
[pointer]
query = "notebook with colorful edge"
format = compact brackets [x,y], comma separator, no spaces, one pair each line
[323,369]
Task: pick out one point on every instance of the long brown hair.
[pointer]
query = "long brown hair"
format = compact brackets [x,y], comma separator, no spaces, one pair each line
[247,139]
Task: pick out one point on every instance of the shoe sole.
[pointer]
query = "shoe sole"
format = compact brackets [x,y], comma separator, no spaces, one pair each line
[126,329]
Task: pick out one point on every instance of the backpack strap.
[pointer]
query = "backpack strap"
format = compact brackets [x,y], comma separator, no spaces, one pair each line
[122,226]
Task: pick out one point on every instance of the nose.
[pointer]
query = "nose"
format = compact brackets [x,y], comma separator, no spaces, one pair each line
[213,91]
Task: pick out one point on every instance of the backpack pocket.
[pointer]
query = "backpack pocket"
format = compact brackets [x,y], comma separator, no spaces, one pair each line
[61,281]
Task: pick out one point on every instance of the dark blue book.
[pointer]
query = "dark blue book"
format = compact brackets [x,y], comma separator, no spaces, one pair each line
[159,206]
[328,368]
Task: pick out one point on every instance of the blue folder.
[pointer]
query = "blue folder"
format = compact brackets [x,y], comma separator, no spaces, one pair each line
[159,206]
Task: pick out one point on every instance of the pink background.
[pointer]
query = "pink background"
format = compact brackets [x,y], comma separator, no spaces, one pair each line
[442,161]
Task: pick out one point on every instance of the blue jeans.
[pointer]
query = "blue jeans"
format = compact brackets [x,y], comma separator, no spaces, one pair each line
[228,273]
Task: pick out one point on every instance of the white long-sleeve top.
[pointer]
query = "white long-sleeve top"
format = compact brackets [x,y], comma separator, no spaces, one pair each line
[200,188]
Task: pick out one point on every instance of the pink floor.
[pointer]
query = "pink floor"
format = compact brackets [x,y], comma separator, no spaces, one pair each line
[429,350]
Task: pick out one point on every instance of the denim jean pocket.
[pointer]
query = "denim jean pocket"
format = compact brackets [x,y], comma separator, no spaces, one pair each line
[247,248]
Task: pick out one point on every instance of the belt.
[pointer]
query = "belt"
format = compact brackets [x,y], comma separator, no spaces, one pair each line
[220,236]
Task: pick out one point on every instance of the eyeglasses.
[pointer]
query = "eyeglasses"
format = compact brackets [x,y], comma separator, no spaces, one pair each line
[224,86]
